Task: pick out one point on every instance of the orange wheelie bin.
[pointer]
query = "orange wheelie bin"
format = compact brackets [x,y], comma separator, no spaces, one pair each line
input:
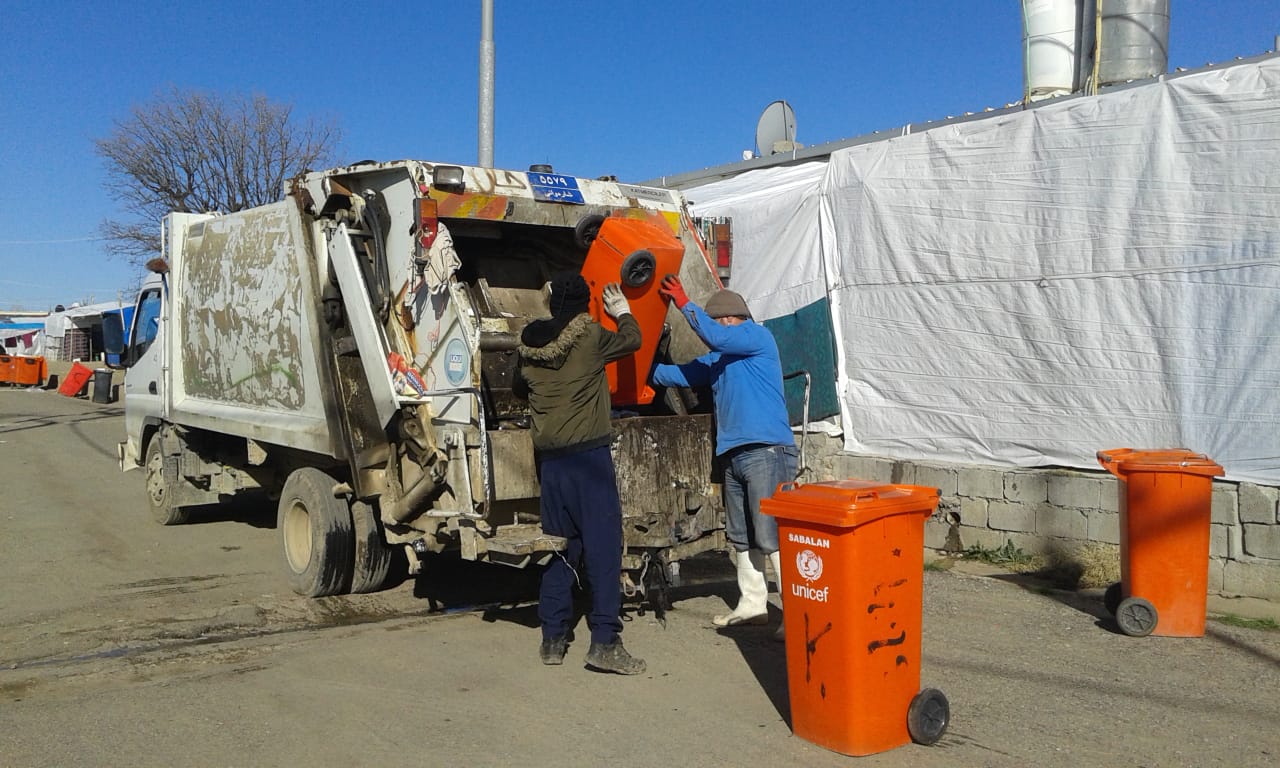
[1165,513]
[852,555]
[635,253]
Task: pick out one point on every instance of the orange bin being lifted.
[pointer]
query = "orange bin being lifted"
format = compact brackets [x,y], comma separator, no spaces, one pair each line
[636,254]
[852,556]
[1165,514]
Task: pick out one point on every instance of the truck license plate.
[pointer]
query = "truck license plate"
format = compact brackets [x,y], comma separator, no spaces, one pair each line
[555,188]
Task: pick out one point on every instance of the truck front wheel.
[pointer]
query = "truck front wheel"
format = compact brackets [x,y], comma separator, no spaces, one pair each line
[160,482]
[315,527]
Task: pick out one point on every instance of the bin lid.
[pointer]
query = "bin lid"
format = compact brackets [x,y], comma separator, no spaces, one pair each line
[1122,461]
[848,503]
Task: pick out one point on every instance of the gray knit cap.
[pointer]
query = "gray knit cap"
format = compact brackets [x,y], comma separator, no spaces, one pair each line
[727,304]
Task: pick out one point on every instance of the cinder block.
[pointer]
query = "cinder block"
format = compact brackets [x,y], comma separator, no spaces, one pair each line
[1219,541]
[981,483]
[1103,526]
[1033,545]
[1110,494]
[942,478]
[1025,487]
[980,537]
[1251,579]
[1216,570]
[937,535]
[1257,503]
[1061,522]
[1261,540]
[1007,516]
[904,472]
[1225,507]
[1071,490]
[973,512]
[870,468]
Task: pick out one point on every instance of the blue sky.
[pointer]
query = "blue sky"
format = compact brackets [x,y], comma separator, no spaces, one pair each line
[634,89]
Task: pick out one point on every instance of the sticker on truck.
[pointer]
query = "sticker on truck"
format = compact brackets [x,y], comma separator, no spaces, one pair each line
[456,362]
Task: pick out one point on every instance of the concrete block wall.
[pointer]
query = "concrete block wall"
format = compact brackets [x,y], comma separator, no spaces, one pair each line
[1042,510]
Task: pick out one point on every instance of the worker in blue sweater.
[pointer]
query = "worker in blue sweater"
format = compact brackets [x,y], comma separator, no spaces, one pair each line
[753,433]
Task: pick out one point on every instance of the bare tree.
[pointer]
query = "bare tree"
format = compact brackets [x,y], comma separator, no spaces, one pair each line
[197,152]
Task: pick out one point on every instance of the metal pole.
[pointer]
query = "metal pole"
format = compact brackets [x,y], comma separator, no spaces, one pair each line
[485,139]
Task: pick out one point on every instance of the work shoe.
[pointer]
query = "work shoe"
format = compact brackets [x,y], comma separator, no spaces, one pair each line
[612,657]
[553,649]
[753,606]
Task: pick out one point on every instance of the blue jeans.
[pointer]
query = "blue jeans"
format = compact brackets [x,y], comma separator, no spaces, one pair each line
[580,502]
[752,473]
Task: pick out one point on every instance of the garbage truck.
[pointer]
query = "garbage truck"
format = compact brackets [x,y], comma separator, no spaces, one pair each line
[349,352]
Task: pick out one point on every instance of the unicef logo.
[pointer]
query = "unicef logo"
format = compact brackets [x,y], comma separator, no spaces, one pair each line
[809,564]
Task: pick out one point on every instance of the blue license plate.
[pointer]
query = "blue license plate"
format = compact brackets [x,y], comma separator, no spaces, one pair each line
[555,188]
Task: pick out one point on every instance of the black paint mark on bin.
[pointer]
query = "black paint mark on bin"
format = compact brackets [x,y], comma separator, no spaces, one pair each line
[876,645]
[810,648]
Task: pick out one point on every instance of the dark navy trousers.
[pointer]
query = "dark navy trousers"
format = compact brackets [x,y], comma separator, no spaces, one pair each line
[580,502]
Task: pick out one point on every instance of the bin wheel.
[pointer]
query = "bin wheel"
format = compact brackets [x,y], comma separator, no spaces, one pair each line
[585,231]
[1112,597]
[638,268]
[1136,617]
[928,716]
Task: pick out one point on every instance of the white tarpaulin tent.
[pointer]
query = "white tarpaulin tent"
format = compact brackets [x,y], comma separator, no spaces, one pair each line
[1030,288]
[21,336]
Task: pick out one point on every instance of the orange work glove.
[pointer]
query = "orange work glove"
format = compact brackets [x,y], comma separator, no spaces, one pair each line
[673,289]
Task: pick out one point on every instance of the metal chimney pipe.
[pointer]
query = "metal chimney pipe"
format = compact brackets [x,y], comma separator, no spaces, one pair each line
[485,139]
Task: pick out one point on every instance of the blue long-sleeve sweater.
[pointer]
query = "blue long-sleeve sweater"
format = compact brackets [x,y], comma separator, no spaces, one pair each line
[745,375]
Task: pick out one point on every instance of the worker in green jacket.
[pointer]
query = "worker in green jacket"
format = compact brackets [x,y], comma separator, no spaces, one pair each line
[561,373]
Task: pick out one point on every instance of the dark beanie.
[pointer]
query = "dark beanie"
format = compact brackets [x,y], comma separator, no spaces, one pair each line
[570,295]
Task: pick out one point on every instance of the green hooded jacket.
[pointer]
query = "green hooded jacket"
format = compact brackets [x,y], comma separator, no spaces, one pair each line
[565,383]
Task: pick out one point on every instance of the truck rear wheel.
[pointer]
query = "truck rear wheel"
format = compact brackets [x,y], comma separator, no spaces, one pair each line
[372,555]
[315,527]
[160,481]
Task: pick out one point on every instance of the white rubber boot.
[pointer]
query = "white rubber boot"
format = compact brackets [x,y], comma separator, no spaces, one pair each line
[775,559]
[753,606]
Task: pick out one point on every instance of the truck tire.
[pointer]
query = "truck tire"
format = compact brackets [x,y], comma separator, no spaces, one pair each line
[315,528]
[372,555]
[160,482]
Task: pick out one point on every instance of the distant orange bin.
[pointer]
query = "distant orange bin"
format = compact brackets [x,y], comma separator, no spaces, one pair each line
[636,254]
[29,370]
[1165,513]
[7,369]
[76,381]
[852,588]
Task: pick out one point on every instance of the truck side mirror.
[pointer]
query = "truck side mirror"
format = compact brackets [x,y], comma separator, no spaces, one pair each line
[113,341]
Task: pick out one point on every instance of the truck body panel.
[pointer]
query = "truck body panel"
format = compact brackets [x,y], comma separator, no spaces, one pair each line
[244,340]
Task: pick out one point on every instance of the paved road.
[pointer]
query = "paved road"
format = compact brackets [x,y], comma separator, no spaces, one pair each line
[126,643]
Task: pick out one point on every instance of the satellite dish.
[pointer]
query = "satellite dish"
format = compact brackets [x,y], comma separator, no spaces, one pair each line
[776,130]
